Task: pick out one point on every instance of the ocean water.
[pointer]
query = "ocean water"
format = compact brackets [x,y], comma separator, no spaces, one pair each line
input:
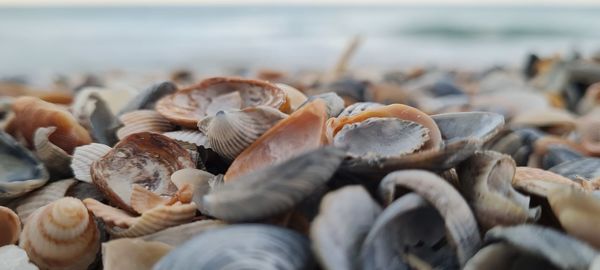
[88,39]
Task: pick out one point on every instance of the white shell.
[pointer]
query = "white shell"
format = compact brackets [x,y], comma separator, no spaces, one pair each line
[143,121]
[14,258]
[84,156]
[53,157]
[189,136]
[132,254]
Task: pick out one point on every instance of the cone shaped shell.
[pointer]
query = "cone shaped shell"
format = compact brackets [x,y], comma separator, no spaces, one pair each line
[10,226]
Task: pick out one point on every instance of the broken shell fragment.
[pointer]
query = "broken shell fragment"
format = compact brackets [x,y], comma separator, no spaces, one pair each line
[147,159]
[147,98]
[294,96]
[578,213]
[84,156]
[335,104]
[132,254]
[143,121]
[14,258]
[55,159]
[10,226]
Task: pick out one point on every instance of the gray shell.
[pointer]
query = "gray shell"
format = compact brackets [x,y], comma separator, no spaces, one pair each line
[148,97]
[587,168]
[359,107]
[20,170]
[335,104]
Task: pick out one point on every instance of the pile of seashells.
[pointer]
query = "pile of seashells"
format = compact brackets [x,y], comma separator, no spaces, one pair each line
[423,169]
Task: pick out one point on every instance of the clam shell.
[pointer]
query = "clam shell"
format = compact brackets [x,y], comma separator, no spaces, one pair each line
[187,106]
[84,156]
[61,235]
[578,213]
[302,131]
[147,159]
[335,104]
[230,132]
[189,136]
[143,121]
[586,168]
[54,158]
[147,98]
[458,218]
[273,190]
[10,226]
[358,108]
[132,254]
[485,181]
[25,206]
[32,113]
[294,96]
[20,171]
[177,235]
[264,247]
[14,258]
[556,121]
[336,243]
[540,182]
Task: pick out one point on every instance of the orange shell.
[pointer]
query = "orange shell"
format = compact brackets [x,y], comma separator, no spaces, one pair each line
[302,131]
[32,113]
[187,106]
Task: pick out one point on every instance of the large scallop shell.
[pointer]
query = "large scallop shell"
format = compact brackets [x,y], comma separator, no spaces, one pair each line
[143,121]
[25,206]
[61,235]
[230,132]
[187,106]
[147,159]
[32,113]
[14,258]
[132,254]
[302,131]
[10,226]
[84,156]
[55,159]
[578,213]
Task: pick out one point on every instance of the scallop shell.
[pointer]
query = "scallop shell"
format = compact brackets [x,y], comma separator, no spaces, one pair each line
[61,235]
[25,206]
[10,226]
[143,121]
[485,182]
[84,156]
[32,113]
[14,258]
[302,131]
[335,104]
[358,108]
[144,158]
[189,136]
[273,190]
[151,221]
[147,98]
[132,254]
[20,171]
[294,96]
[187,106]
[177,235]
[54,158]
[229,133]
[335,242]
[263,247]
[578,213]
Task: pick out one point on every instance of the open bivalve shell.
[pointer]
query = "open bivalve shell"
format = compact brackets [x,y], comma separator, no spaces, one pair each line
[188,106]
[10,226]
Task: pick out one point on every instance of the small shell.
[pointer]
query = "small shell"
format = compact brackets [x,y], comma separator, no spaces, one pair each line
[148,97]
[586,168]
[263,247]
[61,235]
[294,96]
[14,258]
[302,131]
[189,136]
[229,133]
[555,121]
[540,182]
[198,180]
[84,156]
[336,243]
[49,193]
[94,109]
[359,107]
[177,235]
[143,200]
[144,158]
[54,158]
[335,104]
[187,106]
[10,226]
[132,254]
[578,213]
[143,121]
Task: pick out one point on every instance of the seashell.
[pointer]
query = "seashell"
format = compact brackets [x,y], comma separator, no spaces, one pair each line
[531,247]
[14,258]
[151,221]
[264,247]
[302,131]
[510,103]
[147,98]
[132,254]
[187,106]
[189,136]
[294,96]
[84,156]
[485,181]
[201,182]
[84,190]
[10,226]
[444,104]
[94,109]
[336,243]
[540,182]
[114,99]
[143,200]
[55,159]
[335,104]
[586,168]
[388,93]
[147,159]
[350,89]
[177,235]
[554,121]
[274,189]
[25,206]
[20,171]
[554,154]
[358,108]
[449,207]
[229,133]
[578,213]
[590,100]
[587,127]
[61,235]
[32,113]
[143,121]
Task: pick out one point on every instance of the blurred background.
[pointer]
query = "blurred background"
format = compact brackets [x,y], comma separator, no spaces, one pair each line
[55,37]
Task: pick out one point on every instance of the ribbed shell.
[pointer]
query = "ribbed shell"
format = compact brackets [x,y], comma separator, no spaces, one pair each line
[41,197]
[10,226]
[229,133]
[54,158]
[189,136]
[143,121]
[84,156]
[61,235]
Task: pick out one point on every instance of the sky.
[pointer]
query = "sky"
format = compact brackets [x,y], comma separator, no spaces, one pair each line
[311,2]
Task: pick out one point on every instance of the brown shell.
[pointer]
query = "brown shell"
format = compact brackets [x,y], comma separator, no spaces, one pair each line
[187,106]
[10,226]
[303,130]
[32,113]
[578,213]
[147,159]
